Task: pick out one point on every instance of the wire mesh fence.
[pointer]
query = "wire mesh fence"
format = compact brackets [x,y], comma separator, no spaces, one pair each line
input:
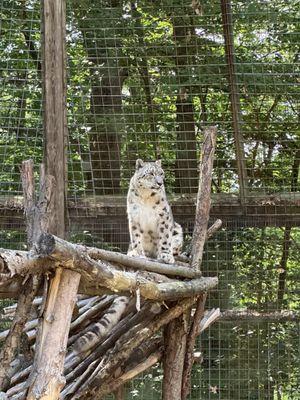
[144,79]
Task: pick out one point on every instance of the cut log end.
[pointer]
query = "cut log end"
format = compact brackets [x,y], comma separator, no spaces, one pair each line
[45,244]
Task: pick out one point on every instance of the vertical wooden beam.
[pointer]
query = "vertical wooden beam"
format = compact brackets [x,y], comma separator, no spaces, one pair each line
[46,379]
[178,357]
[54,97]
[200,234]
[203,196]
[234,98]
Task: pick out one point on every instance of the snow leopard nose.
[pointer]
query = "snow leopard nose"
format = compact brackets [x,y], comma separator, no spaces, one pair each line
[159,180]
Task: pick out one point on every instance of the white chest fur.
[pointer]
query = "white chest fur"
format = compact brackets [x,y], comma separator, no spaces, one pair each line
[147,217]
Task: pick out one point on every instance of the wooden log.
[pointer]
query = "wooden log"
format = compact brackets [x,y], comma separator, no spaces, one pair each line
[137,322]
[132,369]
[177,354]
[212,229]
[119,393]
[46,374]
[251,316]
[13,335]
[133,366]
[92,310]
[209,317]
[91,389]
[115,312]
[46,378]
[141,264]
[16,262]
[203,196]
[29,288]
[71,256]
[141,318]
[11,309]
[31,333]
[175,337]
[27,327]
[24,373]
[190,343]
[275,210]
[200,234]
[97,273]
[132,373]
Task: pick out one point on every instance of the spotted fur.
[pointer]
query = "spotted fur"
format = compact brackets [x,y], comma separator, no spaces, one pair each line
[153,232]
[102,328]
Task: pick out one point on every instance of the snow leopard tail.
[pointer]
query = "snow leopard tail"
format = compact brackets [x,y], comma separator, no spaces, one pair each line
[102,328]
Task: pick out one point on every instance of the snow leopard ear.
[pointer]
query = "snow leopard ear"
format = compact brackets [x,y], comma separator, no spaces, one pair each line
[158,162]
[139,164]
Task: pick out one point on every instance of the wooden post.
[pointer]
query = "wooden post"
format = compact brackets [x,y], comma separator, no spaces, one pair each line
[46,379]
[200,234]
[177,334]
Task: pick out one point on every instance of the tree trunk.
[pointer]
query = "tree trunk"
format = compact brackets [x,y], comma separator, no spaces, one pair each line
[186,171]
[175,335]
[107,76]
[234,98]
[105,138]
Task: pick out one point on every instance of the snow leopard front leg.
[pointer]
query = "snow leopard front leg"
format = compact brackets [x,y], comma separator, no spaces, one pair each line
[135,248]
[165,231]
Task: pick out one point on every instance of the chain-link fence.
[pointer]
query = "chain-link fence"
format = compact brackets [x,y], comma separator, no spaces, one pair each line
[144,79]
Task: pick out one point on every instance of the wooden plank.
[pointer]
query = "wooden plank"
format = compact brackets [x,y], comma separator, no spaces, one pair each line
[46,378]
[86,213]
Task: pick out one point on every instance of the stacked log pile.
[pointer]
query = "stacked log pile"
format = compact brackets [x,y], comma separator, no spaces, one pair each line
[128,348]
[160,298]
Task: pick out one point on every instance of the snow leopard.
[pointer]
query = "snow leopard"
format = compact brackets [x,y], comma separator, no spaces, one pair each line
[153,231]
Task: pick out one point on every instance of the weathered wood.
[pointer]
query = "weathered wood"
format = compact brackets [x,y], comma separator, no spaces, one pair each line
[16,262]
[213,229]
[71,256]
[106,323]
[29,288]
[11,309]
[259,210]
[175,337]
[132,373]
[209,317]
[46,378]
[79,363]
[122,350]
[142,264]
[119,393]
[27,327]
[200,234]
[30,327]
[203,196]
[190,343]
[177,354]
[91,310]
[12,342]
[29,198]
[251,316]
